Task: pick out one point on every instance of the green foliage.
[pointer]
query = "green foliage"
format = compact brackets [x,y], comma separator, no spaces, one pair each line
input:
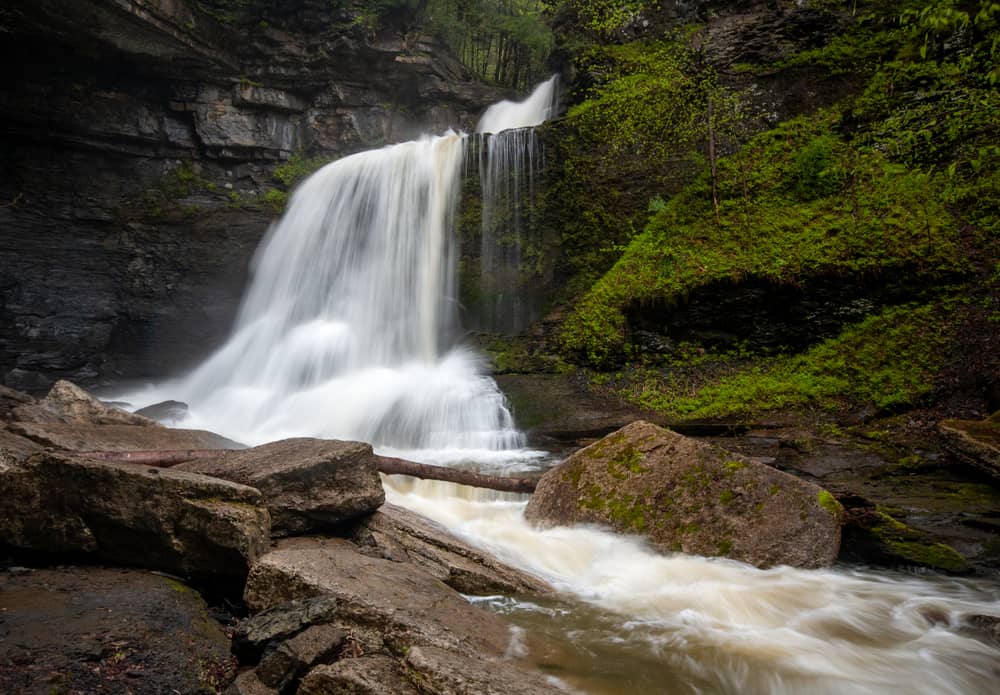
[889,361]
[813,173]
[298,167]
[605,17]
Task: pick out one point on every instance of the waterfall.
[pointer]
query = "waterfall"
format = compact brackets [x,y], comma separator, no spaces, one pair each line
[509,158]
[344,331]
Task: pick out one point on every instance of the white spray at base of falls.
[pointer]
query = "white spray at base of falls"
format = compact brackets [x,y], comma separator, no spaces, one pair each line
[342,330]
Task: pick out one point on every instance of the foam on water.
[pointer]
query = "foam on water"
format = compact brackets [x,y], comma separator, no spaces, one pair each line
[689,624]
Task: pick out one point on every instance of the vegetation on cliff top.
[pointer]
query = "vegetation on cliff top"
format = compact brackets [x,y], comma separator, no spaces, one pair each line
[898,179]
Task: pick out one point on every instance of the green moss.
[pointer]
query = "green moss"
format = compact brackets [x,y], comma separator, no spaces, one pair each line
[912,546]
[725,547]
[889,360]
[727,497]
[732,466]
[830,503]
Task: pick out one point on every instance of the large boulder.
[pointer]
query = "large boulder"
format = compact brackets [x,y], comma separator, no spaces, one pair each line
[103,630]
[399,534]
[976,442]
[308,484]
[689,496]
[180,522]
[387,606]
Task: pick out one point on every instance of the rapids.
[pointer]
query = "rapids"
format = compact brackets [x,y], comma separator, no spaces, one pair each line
[348,331]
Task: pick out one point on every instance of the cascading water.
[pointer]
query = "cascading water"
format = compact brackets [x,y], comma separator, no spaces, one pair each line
[509,157]
[343,329]
[344,334]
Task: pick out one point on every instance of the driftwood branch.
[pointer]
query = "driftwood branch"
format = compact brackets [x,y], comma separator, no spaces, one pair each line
[384,464]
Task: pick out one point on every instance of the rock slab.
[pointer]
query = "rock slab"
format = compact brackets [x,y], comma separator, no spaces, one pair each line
[688,496]
[308,484]
[100,630]
[179,522]
[975,441]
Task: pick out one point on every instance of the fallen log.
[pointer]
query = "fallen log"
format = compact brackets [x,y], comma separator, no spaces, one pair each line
[384,464]
[394,466]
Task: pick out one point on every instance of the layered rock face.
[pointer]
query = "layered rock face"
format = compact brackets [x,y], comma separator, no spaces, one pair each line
[139,139]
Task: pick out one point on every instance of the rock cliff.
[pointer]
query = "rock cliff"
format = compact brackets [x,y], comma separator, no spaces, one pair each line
[140,140]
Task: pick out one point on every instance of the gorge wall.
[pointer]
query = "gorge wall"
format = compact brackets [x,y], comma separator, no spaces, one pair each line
[148,144]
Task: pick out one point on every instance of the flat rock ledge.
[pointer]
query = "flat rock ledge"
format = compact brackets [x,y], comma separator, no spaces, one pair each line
[308,484]
[390,627]
[183,523]
[689,496]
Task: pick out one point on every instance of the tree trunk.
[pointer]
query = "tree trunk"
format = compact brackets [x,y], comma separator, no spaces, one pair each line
[384,464]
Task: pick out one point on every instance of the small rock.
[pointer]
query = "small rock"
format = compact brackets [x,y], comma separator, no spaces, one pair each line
[443,671]
[67,402]
[976,442]
[169,412]
[247,683]
[294,657]
[368,675]
[279,622]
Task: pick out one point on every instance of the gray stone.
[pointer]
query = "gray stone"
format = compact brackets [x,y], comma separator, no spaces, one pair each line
[308,484]
[179,522]
[254,634]
[291,660]
[442,671]
[249,683]
[168,412]
[397,533]
[686,495]
[82,437]
[366,675]
[70,403]
[387,606]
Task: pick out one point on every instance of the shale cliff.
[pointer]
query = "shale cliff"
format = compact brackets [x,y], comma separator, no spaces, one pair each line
[147,145]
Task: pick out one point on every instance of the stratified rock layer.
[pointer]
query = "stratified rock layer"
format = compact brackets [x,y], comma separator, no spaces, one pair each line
[180,522]
[308,484]
[685,495]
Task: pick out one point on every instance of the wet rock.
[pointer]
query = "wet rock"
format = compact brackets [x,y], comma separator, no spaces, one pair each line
[253,635]
[77,437]
[179,522]
[442,671]
[99,630]
[367,675]
[308,484]
[399,534]
[975,441]
[685,495]
[872,535]
[169,412]
[280,668]
[387,606]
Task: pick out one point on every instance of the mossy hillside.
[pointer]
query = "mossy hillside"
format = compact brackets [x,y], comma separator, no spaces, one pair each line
[898,178]
[889,361]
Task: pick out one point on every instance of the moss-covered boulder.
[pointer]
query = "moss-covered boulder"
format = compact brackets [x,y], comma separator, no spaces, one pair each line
[873,535]
[690,496]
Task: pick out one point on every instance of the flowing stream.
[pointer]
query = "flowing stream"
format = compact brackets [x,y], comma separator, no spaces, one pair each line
[347,331]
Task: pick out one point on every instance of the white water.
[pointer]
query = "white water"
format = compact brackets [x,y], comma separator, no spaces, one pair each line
[533,111]
[344,334]
[682,624]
